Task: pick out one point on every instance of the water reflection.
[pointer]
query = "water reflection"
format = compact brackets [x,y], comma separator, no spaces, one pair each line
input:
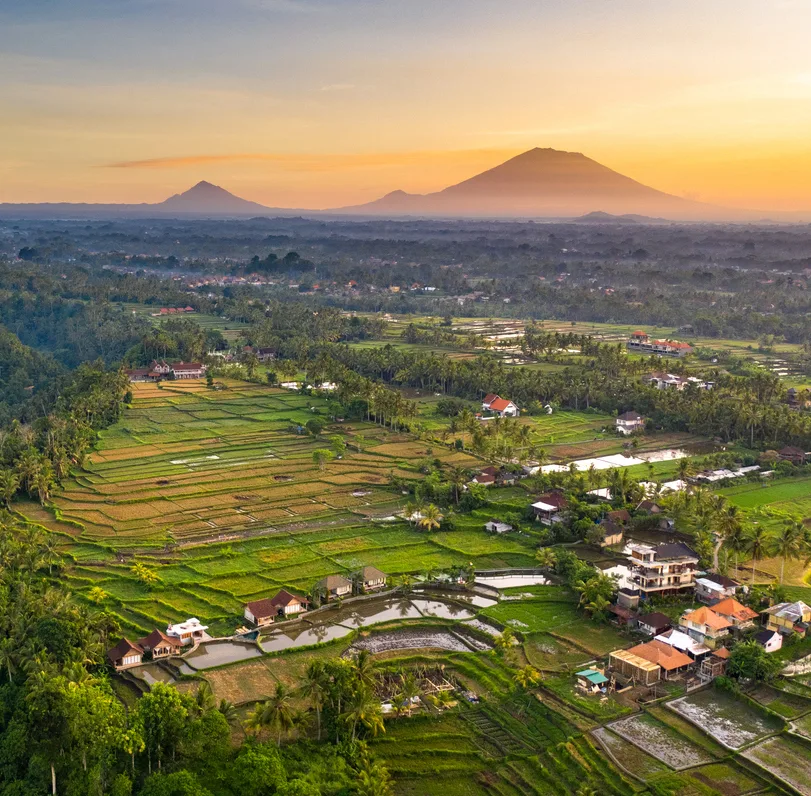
[508,581]
[216,653]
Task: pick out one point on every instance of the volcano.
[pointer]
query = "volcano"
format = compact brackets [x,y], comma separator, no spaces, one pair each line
[545,183]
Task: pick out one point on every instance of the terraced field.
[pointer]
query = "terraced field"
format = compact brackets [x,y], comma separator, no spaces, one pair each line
[217,493]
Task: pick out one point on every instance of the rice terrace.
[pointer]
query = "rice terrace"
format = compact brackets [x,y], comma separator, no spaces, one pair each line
[218,493]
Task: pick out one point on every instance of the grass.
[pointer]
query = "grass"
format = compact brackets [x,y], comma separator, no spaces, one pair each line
[787,758]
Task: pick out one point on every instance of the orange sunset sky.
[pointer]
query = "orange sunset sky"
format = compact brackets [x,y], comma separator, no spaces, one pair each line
[323,103]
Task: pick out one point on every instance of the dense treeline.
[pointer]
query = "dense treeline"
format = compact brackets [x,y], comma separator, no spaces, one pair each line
[738,407]
[64,730]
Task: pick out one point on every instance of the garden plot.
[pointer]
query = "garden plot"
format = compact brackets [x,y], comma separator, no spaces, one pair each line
[732,722]
[787,758]
[661,741]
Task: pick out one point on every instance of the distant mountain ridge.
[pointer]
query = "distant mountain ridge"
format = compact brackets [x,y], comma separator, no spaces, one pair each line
[537,184]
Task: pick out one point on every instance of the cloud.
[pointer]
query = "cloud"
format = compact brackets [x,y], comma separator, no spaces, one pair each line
[338,87]
[298,162]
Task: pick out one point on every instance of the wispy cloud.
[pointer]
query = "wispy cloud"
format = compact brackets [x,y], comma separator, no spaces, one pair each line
[320,162]
[338,87]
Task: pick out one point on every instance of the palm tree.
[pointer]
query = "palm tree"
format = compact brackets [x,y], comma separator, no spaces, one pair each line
[546,558]
[364,669]
[44,483]
[757,545]
[276,713]
[364,709]
[409,690]
[790,543]
[314,687]
[9,654]
[9,484]
[431,518]
[457,477]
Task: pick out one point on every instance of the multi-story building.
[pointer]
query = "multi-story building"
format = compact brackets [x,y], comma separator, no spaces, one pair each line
[664,569]
[641,343]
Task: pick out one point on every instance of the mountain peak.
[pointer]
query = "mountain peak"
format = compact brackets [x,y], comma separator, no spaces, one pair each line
[205,197]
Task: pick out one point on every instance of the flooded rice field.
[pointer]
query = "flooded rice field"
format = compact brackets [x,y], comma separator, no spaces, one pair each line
[510,581]
[216,653]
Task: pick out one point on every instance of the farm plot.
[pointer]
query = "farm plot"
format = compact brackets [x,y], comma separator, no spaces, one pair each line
[232,507]
[732,722]
[660,741]
[787,758]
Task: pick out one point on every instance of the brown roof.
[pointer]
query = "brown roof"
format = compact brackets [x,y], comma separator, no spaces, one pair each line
[619,515]
[156,638]
[662,654]
[284,597]
[491,396]
[260,608]
[556,499]
[372,573]
[721,652]
[656,620]
[333,582]
[485,478]
[186,365]
[122,649]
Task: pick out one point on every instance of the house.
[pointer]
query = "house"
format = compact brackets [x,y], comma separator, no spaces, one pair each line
[734,612]
[669,659]
[334,586]
[484,479]
[141,374]
[788,618]
[591,681]
[648,507]
[793,455]
[188,370]
[640,343]
[265,354]
[634,668]
[160,645]
[611,533]
[620,516]
[487,400]
[715,665]
[263,612]
[603,493]
[630,422]
[664,569]
[125,654]
[188,632]
[654,623]
[548,508]
[668,381]
[372,579]
[160,367]
[622,616]
[705,625]
[494,526]
[712,588]
[684,643]
[770,640]
[502,407]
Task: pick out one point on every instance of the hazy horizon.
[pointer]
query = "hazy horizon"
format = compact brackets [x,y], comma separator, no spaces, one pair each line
[301,103]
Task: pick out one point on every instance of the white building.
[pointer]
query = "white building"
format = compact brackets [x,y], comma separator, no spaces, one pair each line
[629,422]
[188,632]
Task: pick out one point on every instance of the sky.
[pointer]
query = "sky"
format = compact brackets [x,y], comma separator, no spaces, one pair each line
[327,103]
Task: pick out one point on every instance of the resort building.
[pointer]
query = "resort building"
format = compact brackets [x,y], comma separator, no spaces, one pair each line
[664,569]
[711,588]
[499,406]
[264,612]
[494,526]
[641,343]
[188,632]
[371,579]
[705,626]
[549,507]
[334,586]
[125,654]
[160,645]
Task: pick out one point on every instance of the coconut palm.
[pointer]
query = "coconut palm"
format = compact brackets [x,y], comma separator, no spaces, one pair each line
[758,545]
[790,543]
[431,518]
[546,558]
[314,687]
[9,484]
[364,709]
[363,668]
[409,690]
